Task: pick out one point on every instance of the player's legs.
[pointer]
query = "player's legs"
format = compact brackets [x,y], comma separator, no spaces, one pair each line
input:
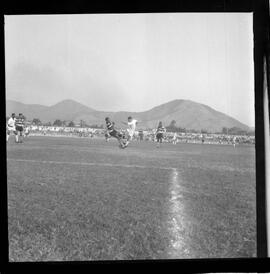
[19,132]
[118,136]
[129,137]
[158,140]
[120,141]
[20,135]
[123,140]
[8,133]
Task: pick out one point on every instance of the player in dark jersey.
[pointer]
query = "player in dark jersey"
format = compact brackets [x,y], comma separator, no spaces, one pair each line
[160,133]
[19,123]
[114,133]
[140,135]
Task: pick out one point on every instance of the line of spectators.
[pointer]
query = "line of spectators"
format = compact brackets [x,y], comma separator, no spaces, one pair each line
[145,135]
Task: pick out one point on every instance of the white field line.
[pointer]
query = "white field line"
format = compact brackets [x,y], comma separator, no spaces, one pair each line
[89,164]
[176,219]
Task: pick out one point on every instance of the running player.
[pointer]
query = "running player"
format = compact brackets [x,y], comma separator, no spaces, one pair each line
[19,123]
[114,133]
[11,127]
[160,133]
[132,123]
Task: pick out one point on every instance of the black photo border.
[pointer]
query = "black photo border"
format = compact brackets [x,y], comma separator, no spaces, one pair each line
[260,10]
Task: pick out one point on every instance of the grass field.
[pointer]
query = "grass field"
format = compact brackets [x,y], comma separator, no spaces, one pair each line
[81,199]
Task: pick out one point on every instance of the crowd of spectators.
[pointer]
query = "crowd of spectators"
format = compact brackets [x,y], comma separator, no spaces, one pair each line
[146,135]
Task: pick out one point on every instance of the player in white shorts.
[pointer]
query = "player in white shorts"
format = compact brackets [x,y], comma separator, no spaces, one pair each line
[234,141]
[11,127]
[132,123]
[174,140]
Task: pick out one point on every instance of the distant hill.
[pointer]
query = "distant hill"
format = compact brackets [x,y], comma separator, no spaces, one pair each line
[186,113]
[64,110]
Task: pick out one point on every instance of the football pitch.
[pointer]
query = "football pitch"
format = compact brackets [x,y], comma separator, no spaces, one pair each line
[86,199]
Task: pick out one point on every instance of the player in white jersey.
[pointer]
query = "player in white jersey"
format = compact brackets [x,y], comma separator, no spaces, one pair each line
[11,127]
[132,123]
[234,141]
[174,139]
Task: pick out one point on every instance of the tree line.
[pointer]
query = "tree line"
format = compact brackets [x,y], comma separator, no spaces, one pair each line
[64,123]
[225,130]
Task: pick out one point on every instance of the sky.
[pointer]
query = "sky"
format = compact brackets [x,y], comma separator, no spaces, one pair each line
[132,62]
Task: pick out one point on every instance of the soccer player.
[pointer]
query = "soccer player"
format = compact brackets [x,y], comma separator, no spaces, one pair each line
[132,123]
[174,140]
[203,138]
[19,123]
[160,133]
[11,126]
[114,133]
[234,141]
[141,135]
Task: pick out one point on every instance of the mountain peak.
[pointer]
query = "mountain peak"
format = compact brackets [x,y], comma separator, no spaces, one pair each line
[68,102]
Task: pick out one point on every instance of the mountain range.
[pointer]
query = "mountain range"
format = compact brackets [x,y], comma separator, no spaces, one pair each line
[186,113]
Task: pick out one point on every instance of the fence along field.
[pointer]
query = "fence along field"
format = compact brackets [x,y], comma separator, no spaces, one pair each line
[85,199]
